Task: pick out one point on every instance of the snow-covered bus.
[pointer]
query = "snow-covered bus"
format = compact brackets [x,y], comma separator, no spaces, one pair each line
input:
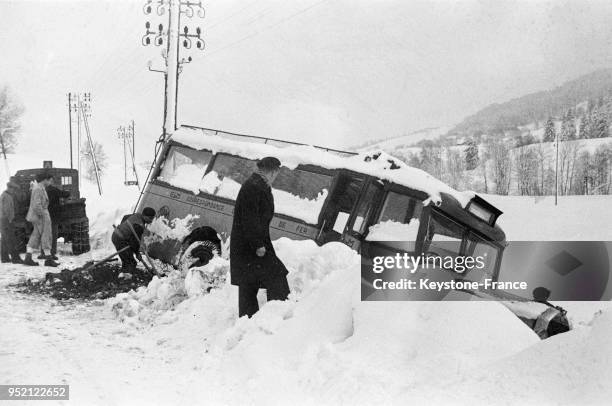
[372,202]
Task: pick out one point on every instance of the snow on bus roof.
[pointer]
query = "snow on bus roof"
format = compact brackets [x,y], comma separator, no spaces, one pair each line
[375,163]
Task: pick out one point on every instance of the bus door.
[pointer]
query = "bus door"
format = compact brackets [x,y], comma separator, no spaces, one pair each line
[362,216]
[341,203]
[395,229]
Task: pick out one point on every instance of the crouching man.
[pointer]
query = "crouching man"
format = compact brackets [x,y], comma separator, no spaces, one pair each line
[253,262]
[129,234]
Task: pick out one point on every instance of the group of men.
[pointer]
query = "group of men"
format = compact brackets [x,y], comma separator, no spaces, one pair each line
[43,214]
[253,261]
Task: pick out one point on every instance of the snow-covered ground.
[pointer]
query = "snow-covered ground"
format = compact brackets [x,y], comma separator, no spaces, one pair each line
[170,343]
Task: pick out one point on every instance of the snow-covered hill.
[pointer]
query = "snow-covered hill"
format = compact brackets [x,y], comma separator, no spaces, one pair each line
[402,141]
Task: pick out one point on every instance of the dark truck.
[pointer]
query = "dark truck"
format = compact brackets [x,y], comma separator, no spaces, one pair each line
[73,223]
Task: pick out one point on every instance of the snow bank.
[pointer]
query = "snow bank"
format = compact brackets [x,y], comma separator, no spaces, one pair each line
[186,176]
[176,229]
[394,231]
[568,369]
[376,163]
[323,345]
[580,218]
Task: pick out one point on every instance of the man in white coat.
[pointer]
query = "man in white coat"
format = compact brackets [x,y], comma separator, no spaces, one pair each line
[38,215]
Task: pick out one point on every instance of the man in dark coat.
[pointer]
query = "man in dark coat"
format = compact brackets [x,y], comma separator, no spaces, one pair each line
[8,250]
[253,262]
[128,234]
[55,194]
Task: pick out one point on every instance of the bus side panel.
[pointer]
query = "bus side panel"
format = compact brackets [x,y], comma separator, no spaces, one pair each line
[174,203]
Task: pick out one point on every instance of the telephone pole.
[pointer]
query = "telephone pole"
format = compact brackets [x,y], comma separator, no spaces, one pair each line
[128,135]
[79,104]
[70,125]
[557,169]
[171,38]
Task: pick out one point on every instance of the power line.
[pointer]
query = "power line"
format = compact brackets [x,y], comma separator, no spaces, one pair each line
[231,16]
[302,11]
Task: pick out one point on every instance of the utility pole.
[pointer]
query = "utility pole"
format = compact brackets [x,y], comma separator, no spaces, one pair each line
[70,124]
[172,67]
[91,147]
[78,104]
[171,36]
[127,135]
[557,169]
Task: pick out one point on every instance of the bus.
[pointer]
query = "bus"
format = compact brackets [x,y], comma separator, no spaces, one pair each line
[372,202]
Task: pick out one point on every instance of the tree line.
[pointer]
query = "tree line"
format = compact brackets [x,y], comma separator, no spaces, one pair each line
[496,166]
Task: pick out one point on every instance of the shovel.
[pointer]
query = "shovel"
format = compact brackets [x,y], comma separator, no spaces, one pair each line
[103,260]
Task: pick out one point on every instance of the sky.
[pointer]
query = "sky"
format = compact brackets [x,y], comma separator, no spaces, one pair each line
[329,72]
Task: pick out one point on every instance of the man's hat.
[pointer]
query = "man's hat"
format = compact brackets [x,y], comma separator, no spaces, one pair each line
[148,212]
[269,163]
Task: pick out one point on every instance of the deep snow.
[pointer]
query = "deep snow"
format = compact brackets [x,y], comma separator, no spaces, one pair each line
[172,343]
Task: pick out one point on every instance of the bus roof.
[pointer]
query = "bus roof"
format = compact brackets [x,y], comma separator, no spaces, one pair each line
[375,163]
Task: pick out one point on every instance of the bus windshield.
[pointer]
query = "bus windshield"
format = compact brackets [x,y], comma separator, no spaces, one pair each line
[184,168]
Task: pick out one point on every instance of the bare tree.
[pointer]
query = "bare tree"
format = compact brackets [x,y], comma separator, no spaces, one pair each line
[455,165]
[526,167]
[11,111]
[431,159]
[101,160]
[568,154]
[501,165]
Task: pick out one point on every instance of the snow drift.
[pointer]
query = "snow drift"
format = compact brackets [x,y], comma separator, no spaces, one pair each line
[323,345]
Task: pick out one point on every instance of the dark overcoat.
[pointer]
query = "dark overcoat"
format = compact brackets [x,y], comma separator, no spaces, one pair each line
[250,230]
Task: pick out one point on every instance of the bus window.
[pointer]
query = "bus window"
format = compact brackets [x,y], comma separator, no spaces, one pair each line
[365,208]
[227,175]
[340,206]
[477,247]
[444,236]
[300,193]
[399,220]
[184,167]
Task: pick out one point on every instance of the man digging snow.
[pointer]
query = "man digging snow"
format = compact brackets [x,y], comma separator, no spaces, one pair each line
[128,235]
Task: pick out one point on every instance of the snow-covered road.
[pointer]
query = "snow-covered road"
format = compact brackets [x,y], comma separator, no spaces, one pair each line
[164,344]
[80,344]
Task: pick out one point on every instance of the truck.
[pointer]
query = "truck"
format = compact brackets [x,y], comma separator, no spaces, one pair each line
[73,224]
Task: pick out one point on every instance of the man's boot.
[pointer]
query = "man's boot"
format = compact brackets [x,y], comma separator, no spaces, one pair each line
[17,259]
[50,262]
[29,261]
